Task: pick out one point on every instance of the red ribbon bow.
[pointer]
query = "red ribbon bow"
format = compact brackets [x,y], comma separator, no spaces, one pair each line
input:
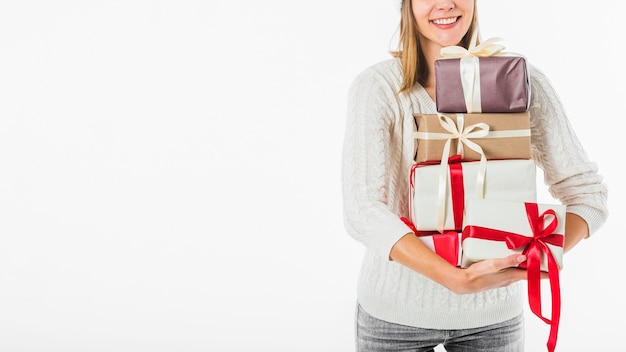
[534,247]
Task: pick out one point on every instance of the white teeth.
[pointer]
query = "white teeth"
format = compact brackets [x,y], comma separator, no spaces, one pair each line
[445,20]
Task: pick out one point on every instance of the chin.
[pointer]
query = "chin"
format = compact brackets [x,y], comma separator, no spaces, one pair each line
[448,43]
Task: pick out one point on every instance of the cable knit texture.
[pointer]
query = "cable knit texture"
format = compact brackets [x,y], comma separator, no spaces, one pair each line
[377,156]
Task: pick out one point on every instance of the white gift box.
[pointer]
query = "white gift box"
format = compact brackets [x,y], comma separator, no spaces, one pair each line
[431,209]
[507,217]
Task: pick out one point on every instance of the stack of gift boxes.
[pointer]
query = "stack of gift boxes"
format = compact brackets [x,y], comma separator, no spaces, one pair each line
[473,184]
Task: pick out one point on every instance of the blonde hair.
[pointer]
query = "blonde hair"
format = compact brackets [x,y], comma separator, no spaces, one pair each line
[410,53]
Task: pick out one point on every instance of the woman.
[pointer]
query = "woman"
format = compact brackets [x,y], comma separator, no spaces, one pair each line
[409,298]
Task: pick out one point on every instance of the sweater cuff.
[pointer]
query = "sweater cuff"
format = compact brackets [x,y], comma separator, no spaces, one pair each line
[388,235]
[594,217]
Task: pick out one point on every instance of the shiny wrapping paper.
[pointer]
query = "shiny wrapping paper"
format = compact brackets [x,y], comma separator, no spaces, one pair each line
[504,135]
[502,84]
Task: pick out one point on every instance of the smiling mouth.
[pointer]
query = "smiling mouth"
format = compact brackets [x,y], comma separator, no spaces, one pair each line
[443,21]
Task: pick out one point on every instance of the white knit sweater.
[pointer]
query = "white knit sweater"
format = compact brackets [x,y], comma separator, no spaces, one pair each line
[377,157]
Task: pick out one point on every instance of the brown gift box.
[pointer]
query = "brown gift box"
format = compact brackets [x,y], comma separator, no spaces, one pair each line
[504,85]
[508,138]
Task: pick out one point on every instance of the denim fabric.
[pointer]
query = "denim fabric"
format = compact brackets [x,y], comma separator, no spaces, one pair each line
[375,335]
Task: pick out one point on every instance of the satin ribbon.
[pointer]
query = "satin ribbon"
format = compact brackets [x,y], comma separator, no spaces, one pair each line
[463,134]
[491,134]
[459,132]
[470,67]
[457,194]
[457,190]
[417,232]
[446,244]
[534,247]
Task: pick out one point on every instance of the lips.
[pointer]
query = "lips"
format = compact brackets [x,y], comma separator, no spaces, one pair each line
[445,21]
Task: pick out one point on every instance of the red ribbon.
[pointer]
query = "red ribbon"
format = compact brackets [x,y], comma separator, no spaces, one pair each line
[534,247]
[457,188]
[446,244]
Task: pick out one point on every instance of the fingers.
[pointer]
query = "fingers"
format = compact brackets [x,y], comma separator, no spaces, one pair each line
[496,265]
[493,273]
[511,261]
[516,259]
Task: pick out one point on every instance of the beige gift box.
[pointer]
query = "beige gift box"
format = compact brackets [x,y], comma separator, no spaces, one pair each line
[499,135]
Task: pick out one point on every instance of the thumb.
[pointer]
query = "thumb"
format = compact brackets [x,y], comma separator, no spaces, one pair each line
[512,261]
[517,259]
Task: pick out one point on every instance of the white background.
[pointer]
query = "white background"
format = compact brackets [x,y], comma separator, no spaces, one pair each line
[170,170]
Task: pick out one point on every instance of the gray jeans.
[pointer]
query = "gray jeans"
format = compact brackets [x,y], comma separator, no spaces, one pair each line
[375,335]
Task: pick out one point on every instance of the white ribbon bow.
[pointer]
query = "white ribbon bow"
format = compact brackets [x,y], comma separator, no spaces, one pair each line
[470,70]
[457,131]
[489,47]
[463,135]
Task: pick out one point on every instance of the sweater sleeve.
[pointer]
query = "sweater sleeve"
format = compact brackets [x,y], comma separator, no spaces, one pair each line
[570,176]
[371,162]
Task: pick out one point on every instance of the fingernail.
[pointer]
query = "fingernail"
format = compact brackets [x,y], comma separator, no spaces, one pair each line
[521,258]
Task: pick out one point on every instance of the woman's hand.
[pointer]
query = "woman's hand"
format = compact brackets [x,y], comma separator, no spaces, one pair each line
[487,274]
[484,275]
